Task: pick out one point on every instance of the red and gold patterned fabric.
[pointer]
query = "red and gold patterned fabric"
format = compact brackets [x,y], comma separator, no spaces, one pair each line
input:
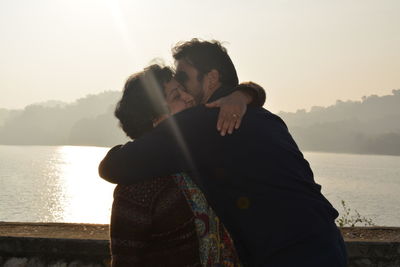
[167,222]
[216,247]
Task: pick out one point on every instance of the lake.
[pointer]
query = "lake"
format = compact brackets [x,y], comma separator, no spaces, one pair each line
[61,184]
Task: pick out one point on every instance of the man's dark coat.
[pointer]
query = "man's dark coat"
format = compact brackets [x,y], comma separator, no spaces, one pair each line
[256,179]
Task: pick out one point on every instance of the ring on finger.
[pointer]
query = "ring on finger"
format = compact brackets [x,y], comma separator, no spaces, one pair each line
[235,115]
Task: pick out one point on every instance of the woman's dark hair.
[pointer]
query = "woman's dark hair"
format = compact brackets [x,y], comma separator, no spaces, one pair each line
[205,56]
[143,100]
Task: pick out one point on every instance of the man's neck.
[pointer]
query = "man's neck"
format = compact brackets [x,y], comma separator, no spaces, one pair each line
[220,92]
[207,96]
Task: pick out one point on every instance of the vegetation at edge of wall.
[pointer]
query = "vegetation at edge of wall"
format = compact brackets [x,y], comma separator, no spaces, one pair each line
[352,218]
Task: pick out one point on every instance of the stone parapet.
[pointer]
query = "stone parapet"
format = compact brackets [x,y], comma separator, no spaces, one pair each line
[72,245]
[373,254]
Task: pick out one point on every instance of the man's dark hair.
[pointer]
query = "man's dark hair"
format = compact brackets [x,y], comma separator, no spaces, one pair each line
[143,100]
[205,56]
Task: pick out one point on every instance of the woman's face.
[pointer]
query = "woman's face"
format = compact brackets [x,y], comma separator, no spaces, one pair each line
[176,97]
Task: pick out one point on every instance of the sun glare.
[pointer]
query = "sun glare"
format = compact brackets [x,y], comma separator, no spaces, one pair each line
[122,27]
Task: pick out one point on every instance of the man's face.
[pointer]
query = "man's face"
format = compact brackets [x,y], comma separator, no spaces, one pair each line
[187,75]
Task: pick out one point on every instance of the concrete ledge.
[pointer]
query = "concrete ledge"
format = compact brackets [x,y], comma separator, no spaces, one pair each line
[373,254]
[89,245]
[55,248]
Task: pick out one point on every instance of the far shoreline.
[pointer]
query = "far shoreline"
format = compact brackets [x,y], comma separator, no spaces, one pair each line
[109,147]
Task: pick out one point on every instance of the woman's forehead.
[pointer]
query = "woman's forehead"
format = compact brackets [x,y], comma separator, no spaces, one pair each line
[171,85]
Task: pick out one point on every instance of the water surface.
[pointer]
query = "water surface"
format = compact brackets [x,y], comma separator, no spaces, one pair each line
[61,184]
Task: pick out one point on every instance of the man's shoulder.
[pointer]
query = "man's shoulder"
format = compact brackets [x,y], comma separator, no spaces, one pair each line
[192,120]
[197,110]
[195,114]
[261,113]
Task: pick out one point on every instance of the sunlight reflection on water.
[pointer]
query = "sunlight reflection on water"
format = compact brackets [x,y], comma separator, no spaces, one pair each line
[53,184]
[85,196]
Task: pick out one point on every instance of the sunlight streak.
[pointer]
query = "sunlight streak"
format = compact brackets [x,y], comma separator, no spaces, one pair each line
[122,28]
[159,99]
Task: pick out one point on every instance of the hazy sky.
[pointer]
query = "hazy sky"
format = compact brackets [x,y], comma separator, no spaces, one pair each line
[305,53]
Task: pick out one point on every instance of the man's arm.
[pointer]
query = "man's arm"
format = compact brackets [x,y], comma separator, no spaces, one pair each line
[187,141]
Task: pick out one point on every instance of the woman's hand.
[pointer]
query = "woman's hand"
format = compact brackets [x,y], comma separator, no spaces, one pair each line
[232,109]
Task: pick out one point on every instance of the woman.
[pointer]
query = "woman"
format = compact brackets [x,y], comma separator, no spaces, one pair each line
[165,221]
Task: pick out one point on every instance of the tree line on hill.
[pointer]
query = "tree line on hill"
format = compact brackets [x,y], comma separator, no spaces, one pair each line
[87,121]
[371,125]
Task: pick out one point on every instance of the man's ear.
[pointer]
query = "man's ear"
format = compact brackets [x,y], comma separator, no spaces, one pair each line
[213,79]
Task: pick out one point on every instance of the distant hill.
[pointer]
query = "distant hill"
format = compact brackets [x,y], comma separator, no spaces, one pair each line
[371,126]
[6,114]
[87,121]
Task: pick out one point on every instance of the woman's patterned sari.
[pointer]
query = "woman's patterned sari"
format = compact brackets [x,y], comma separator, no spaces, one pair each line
[215,244]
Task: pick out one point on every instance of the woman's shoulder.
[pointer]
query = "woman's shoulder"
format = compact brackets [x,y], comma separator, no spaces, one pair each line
[143,193]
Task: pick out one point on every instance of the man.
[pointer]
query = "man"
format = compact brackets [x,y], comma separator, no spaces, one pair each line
[256,179]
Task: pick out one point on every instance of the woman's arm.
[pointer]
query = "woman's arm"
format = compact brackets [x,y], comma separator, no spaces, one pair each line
[234,106]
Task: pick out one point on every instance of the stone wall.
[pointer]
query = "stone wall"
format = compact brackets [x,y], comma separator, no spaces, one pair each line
[39,262]
[24,251]
[33,251]
[373,254]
